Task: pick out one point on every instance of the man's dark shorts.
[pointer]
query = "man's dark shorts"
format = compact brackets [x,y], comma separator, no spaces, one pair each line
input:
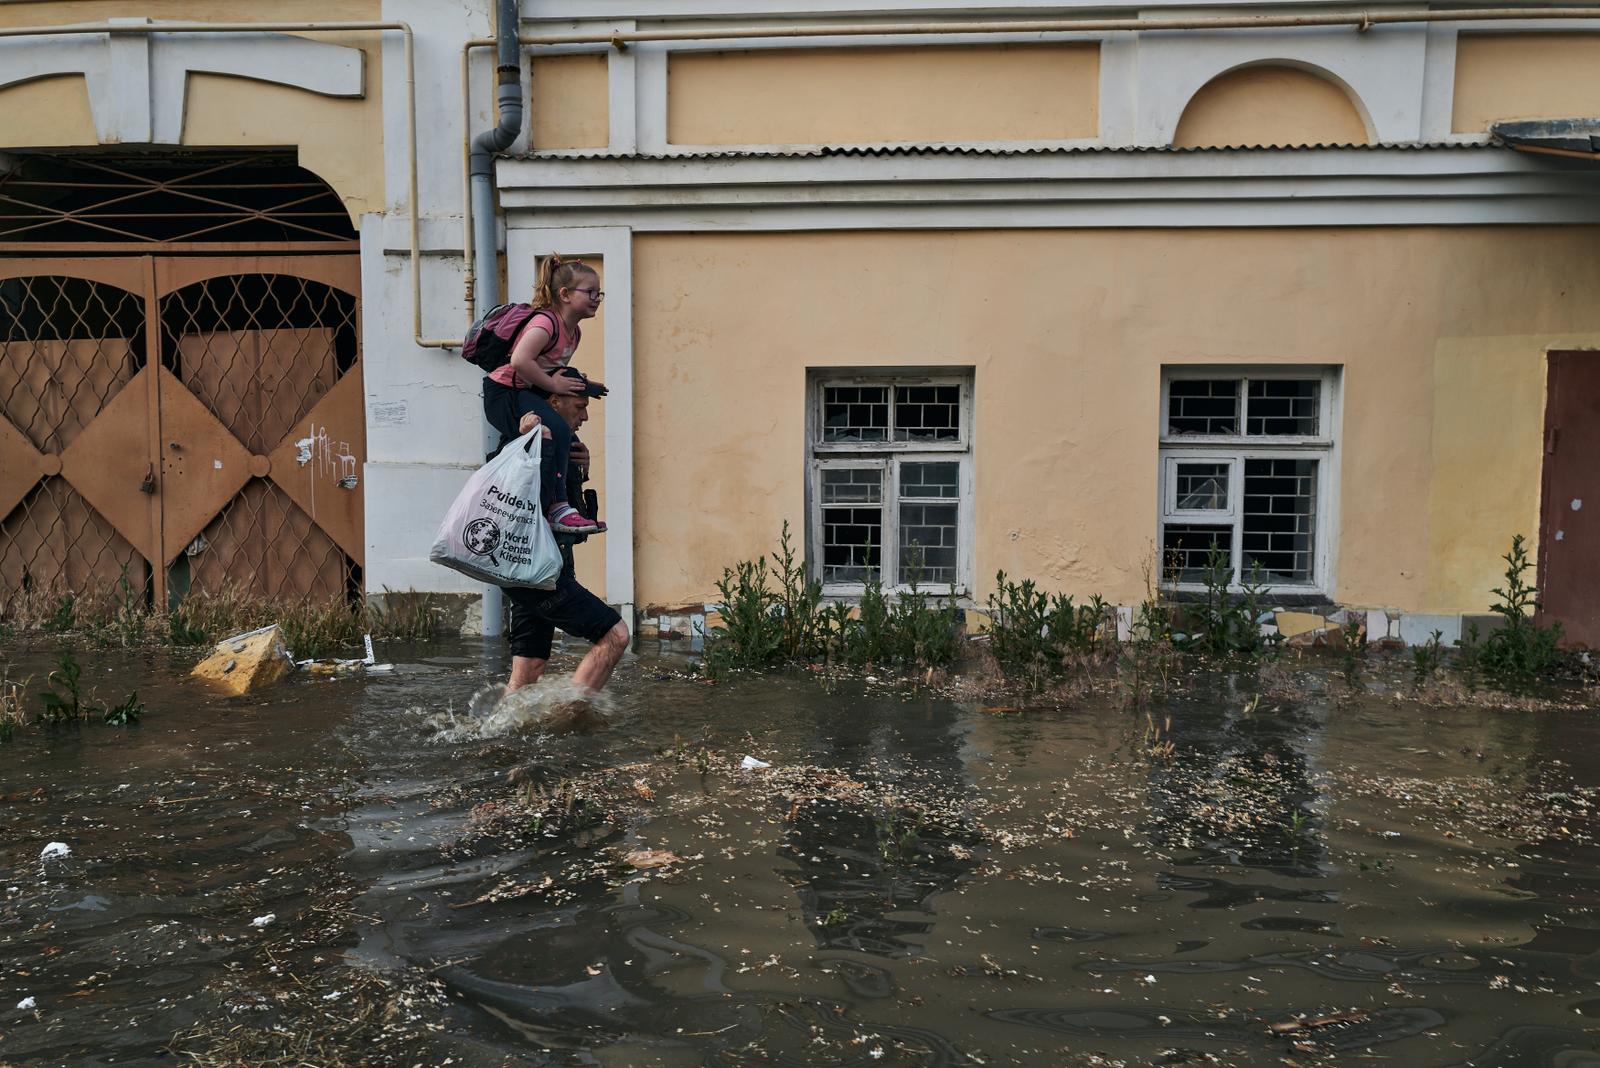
[535,614]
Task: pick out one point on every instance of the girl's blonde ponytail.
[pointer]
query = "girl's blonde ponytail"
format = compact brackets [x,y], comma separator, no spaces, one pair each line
[554,275]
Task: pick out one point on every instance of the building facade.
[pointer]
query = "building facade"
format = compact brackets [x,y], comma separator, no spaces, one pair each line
[996,287]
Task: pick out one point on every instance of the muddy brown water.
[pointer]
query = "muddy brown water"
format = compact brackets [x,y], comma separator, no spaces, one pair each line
[917,879]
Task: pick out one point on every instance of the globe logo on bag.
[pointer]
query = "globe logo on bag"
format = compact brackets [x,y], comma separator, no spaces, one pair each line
[482,537]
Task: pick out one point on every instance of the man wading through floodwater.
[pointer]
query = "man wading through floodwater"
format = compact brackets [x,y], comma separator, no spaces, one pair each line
[535,614]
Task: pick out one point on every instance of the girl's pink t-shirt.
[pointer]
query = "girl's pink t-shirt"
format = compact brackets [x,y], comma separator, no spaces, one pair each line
[552,359]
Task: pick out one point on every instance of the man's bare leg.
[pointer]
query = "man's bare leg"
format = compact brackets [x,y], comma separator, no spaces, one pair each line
[525,671]
[601,659]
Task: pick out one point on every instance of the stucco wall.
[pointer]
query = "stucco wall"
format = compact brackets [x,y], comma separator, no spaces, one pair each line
[840,96]
[1068,331]
[1525,76]
[570,102]
[1270,106]
[338,139]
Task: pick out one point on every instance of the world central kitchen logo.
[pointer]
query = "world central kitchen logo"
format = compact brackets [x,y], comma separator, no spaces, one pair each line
[482,537]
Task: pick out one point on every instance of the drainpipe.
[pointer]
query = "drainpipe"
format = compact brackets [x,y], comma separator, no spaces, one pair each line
[480,171]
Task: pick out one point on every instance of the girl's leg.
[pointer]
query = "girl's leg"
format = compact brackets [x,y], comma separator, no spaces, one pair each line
[502,409]
[555,454]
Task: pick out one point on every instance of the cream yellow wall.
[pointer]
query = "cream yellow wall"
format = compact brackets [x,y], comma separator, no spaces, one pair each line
[1502,77]
[1270,106]
[856,95]
[1068,337]
[47,113]
[571,102]
[337,139]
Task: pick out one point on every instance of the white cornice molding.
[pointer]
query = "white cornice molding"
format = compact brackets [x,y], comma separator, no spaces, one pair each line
[545,12]
[1306,187]
[138,82]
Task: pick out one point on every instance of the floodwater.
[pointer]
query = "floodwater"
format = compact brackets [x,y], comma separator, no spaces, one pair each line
[386,871]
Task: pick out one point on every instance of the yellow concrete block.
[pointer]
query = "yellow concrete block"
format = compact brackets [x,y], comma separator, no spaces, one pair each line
[978,622]
[1291,624]
[247,662]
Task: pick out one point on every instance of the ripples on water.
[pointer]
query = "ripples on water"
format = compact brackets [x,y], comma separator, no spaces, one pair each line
[915,880]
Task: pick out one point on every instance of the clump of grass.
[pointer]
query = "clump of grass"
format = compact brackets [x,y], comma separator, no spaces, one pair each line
[1521,650]
[64,703]
[13,714]
[1039,634]
[1224,622]
[312,627]
[126,714]
[1427,658]
[773,616]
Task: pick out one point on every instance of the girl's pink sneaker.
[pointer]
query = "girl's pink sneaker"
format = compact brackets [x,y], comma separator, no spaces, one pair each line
[575,523]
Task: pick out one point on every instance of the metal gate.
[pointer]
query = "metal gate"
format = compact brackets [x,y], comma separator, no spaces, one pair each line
[192,422]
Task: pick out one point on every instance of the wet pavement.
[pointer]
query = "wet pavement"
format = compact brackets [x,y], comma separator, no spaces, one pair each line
[376,871]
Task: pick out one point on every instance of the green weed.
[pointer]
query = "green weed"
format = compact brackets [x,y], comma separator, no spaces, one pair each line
[127,714]
[65,705]
[1223,622]
[1521,650]
[1426,658]
[12,705]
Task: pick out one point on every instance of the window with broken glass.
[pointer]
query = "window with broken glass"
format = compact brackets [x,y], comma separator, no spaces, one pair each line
[890,467]
[1246,468]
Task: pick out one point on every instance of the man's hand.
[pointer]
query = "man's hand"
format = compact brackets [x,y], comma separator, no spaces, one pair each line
[580,456]
[530,421]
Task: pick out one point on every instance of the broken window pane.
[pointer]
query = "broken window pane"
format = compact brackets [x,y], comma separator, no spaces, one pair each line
[852,543]
[852,485]
[855,413]
[1280,519]
[1203,406]
[1284,406]
[927,542]
[930,480]
[1202,487]
[1184,549]
[927,413]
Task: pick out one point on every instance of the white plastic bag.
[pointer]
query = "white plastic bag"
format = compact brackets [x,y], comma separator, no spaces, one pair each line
[495,530]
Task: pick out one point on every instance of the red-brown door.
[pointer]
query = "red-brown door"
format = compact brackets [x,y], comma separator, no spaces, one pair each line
[1569,529]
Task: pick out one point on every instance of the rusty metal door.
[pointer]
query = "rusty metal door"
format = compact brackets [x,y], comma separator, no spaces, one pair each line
[1569,528]
[193,420]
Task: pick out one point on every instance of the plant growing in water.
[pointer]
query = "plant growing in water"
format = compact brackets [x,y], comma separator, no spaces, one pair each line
[1521,650]
[126,714]
[67,705]
[11,705]
[1223,622]
[898,830]
[1038,632]
[1426,658]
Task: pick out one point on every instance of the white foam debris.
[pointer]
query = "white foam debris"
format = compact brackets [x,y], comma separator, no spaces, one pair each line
[55,850]
[264,921]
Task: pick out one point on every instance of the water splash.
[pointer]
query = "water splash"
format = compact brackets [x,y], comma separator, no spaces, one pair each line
[554,705]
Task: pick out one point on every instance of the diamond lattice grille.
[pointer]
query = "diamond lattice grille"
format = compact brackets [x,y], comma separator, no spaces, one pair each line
[67,345]
[262,541]
[202,196]
[113,457]
[259,350]
[53,543]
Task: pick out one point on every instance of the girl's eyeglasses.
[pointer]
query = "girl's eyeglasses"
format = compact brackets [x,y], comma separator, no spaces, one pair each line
[595,295]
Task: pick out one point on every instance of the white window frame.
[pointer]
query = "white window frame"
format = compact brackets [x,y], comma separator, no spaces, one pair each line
[1236,449]
[890,455]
